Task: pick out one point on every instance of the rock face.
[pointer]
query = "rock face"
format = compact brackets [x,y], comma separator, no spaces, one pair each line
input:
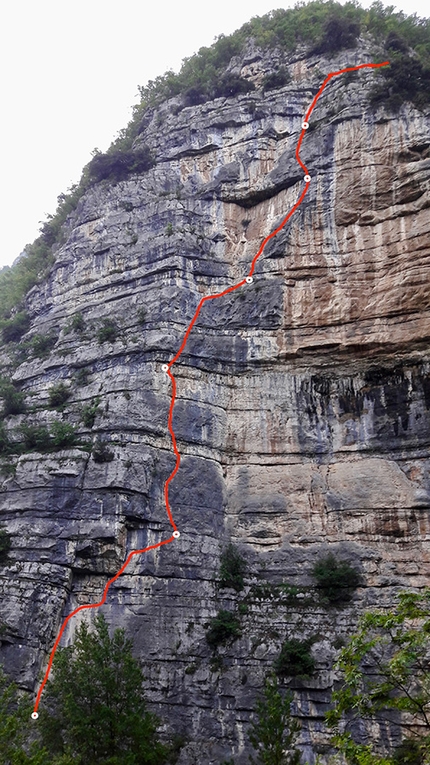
[303,409]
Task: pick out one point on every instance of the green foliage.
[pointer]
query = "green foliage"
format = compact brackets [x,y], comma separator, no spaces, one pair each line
[118,165]
[36,437]
[63,435]
[274,732]
[169,229]
[34,264]
[13,329]
[41,345]
[231,85]
[277,79]
[94,708]
[406,79]
[81,377]
[223,627]
[4,439]
[13,399]
[282,594]
[58,395]
[339,32]
[90,412]
[78,322]
[142,316]
[101,452]
[232,568]
[5,545]
[295,659]
[108,332]
[409,753]
[15,731]
[385,671]
[335,578]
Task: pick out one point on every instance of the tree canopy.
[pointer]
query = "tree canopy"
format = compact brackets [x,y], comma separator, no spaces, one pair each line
[94,707]
[384,694]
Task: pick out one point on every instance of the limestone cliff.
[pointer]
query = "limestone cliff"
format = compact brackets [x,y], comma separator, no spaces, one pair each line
[303,411]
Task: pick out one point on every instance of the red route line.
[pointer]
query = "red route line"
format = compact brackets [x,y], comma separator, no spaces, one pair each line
[176,357]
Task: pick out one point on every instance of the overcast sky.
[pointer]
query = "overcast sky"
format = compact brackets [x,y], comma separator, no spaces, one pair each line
[69,76]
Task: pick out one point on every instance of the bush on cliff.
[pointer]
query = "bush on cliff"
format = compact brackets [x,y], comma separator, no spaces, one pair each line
[406,79]
[118,165]
[336,579]
[58,395]
[232,568]
[13,399]
[13,329]
[5,545]
[295,659]
[224,627]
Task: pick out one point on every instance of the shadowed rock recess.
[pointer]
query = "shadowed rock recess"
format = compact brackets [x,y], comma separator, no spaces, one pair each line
[303,409]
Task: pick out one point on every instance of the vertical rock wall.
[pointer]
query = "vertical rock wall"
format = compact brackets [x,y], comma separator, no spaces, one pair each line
[303,411]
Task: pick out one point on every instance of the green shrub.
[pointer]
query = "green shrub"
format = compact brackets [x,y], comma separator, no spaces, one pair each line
[13,399]
[410,752]
[63,435]
[58,395]
[339,32]
[7,468]
[406,79]
[277,79]
[295,659]
[4,439]
[232,568]
[36,437]
[118,165]
[42,344]
[5,545]
[13,329]
[108,332]
[231,85]
[78,322]
[90,412]
[81,377]
[101,452]
[169,229]
[142,316]
[335,578]
[34,263]
[223,627]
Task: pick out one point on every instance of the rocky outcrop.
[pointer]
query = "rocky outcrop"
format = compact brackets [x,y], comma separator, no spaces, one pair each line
[303,411]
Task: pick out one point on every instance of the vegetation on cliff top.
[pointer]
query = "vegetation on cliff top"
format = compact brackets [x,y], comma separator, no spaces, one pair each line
[325,27]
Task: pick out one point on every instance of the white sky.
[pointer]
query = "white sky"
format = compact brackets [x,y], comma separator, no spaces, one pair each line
[69,73]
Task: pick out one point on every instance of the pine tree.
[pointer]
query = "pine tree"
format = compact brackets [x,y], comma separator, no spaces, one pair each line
[94,709]
[274,732]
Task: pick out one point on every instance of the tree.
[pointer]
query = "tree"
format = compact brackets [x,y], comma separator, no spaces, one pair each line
[94,709]
[274,732]
[385,684]
[15,730]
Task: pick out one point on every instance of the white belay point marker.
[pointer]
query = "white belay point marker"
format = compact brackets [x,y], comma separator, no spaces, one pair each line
[307,178]
[176,534]
[165,368]
[34,715]
[249,279]
[305,125]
